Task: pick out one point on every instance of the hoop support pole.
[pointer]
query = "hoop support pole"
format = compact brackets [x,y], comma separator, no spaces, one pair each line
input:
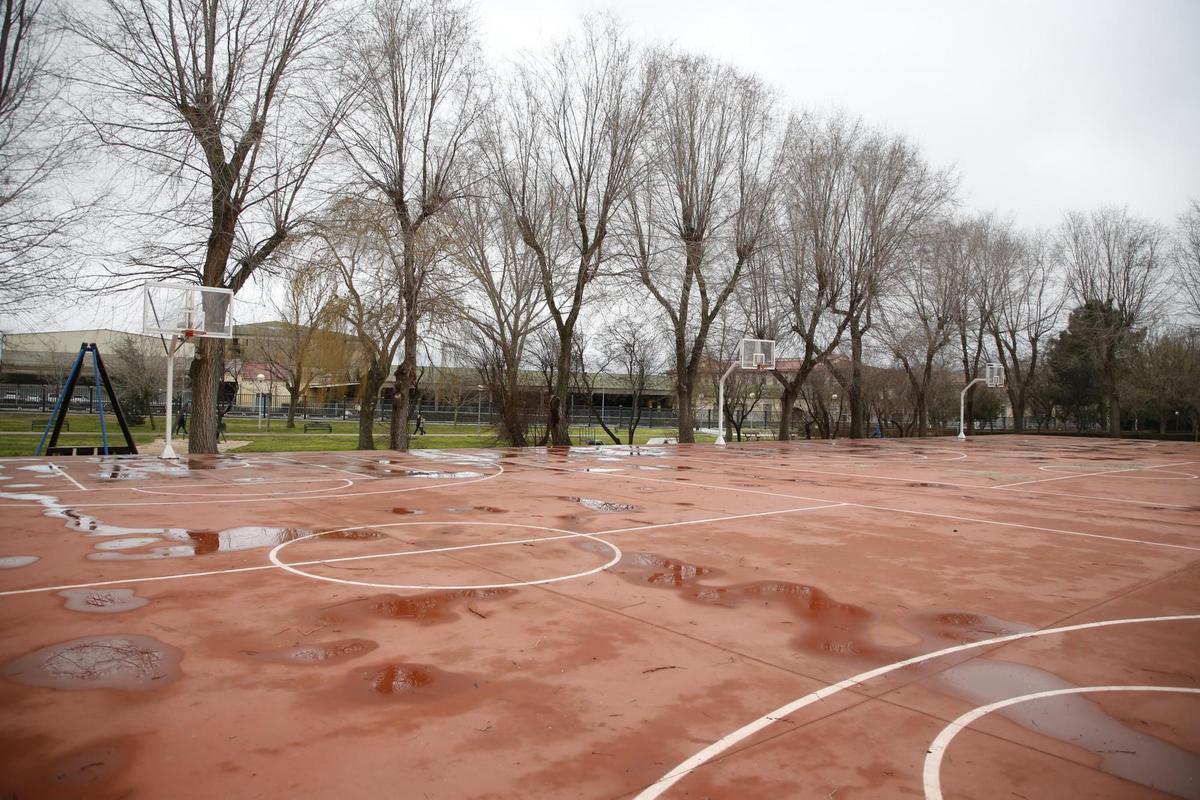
[168,451]
[962,407]
[721,405]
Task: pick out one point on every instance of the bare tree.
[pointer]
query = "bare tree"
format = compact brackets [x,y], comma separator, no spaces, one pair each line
[499,301]
[895,191]
[987,252]
[564,151]
[138,372]
[1028,304]
[1115,262]
[916,321]
[631,348]
[744,389]
[354,244]
[701,207]
[1187,255]
[202,93]
[35,150]
[293,346]
[414,70]
[806,267]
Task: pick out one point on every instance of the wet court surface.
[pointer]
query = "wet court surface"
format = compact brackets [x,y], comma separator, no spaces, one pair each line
[1005,617]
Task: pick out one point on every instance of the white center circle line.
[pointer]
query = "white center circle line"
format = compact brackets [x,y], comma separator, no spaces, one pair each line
[292,568]
[933,759]
[681,770]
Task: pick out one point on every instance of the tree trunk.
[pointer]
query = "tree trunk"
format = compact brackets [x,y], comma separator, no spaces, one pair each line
[1018,411]
[559,423]
[368,402]
[293,397]
[856,381]
[205,373]
[686,414]
[786,402]
[1114,416]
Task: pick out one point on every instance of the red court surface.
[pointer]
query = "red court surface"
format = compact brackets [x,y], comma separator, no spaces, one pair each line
[1009,617]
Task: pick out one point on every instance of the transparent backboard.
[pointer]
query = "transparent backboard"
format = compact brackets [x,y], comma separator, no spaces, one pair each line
[180,309]
[758,354]
[994,373]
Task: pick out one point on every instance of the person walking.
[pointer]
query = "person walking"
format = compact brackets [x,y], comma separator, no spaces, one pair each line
[181,425]
[420,431]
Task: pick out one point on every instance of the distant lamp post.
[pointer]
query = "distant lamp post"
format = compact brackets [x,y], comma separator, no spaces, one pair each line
[1177,422]
[478,408]
[258,379]
[834,420]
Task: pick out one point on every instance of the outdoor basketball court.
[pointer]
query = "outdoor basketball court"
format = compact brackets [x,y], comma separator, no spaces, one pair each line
[1012,617]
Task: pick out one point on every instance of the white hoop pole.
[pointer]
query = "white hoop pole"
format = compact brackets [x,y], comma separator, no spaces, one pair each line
[168,451]
[962,408]
[721,405]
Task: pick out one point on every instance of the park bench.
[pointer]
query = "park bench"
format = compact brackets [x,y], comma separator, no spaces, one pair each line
[318,426]
[40,424]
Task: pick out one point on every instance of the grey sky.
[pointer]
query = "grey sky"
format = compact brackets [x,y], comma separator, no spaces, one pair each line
[1042,106]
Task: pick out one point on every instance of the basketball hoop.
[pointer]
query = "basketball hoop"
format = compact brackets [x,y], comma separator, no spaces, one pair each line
[755,354]
[179,313]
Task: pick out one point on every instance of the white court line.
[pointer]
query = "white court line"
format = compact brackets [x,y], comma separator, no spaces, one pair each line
[933,758]
[1007,487]
[1091,474]
[335,469]
[566,535]
[291,567]
[346,482]
[673,776]
[63,472]
[275,498]
[902,511]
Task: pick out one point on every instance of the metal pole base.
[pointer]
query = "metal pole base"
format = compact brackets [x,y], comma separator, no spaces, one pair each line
[962,437]
[168,452]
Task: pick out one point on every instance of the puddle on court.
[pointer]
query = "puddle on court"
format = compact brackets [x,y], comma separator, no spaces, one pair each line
[1074,719]
[102,601]
[655,569]
[410,682]
[316,654]
[401,678]
[385,467]
[426,609]
[16,562]
[195,543]
[603,506]
[91,765]
[126,662]
[358,534]
[959,627]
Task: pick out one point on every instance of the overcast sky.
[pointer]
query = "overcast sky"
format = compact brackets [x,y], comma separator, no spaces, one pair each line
[1041,106]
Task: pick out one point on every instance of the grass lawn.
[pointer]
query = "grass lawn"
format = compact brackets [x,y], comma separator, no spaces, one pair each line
[19,437]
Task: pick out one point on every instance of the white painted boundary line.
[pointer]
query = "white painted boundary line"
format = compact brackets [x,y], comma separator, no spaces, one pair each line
[63,472]
[335,469]
[933,759]
[274,498]
[565,535]
[911,511]
[345,483]
[1091,474]
[673,776]
[1004,487]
